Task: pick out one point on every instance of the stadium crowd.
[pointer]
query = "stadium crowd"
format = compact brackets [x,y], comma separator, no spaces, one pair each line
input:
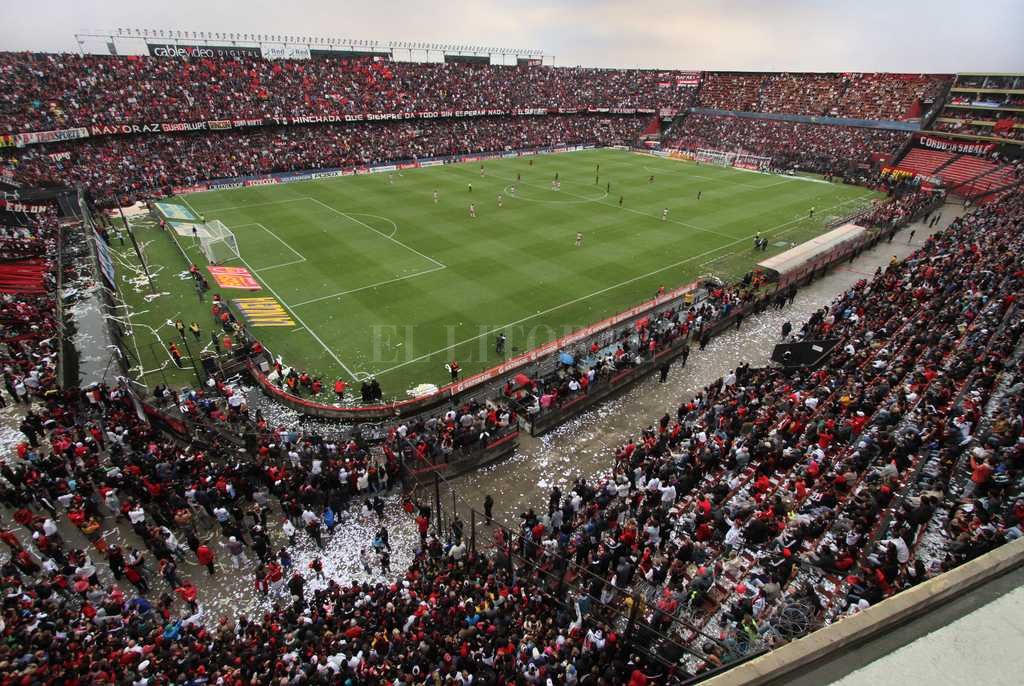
[849,95]
[810,147]
[131,165]
[768,488]
[55,91]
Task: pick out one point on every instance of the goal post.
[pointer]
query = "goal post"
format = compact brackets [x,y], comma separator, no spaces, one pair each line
[755,162]
[733,159]
[218,242]
[724,159]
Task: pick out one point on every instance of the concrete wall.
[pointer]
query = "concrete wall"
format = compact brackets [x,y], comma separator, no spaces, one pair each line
[887,615]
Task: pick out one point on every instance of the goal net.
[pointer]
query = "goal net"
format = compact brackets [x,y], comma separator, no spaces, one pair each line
[734,159]
[715,157]
[755,162]
[218,242]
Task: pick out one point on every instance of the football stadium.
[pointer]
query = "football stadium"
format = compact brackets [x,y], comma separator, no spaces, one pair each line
[343,361]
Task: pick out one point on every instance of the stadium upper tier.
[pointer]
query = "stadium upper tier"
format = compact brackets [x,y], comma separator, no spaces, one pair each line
[54,91]
[814,147]
[861,96]
[48,91]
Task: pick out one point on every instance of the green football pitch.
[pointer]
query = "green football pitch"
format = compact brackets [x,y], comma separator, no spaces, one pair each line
[378,279]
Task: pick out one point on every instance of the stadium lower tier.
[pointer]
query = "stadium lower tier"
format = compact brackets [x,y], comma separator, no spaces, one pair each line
[770,494]
[812,147]
[137,164]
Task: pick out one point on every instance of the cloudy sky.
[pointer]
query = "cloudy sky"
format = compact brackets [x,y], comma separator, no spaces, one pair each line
[818,35]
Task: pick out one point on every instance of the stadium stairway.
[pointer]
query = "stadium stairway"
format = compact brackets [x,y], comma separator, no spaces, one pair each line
[653,129]
[926,162]
[731,571]
[970,175]
[834,598]
[23,277]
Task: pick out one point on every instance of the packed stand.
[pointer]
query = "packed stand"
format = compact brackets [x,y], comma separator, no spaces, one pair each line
[846,95]
[54,91]
[791,145]
[137,164]
[29,323]
[770,489]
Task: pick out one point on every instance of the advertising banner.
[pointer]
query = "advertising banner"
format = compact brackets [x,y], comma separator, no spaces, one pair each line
[285,52]
[964,147]
[184,52]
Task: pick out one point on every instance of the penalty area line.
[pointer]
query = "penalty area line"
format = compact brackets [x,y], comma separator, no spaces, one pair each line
[306,326]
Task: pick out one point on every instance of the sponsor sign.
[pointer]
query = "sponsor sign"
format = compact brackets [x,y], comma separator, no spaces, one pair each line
[285,52]
[234,277]
[185,52]
[34,137]
[688,78]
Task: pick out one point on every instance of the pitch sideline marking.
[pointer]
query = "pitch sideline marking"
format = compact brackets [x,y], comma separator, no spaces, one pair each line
[379,233]
[241,207]
[381,372]
[583,199]
[372,285]
[302,258]
[296,316]
[627,209]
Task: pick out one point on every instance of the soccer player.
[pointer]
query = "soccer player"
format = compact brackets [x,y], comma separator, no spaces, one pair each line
[699,194]
[499,343]
[519,177]
[499,200]
[579,239]
[481,170]
[470,188]
[391,179]
[609,188]
[435,197]
[812,212]
[620,201]
[664,215]
[512,191]
[651,180]
[472,210]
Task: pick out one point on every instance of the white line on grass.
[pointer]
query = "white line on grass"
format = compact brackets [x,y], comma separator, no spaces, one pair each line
[377,216]
[302,258]
[296,316]
[243,207]
[723,179]
[379,233]
[372,285]
[277,266]
[600,292]
[625,209]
